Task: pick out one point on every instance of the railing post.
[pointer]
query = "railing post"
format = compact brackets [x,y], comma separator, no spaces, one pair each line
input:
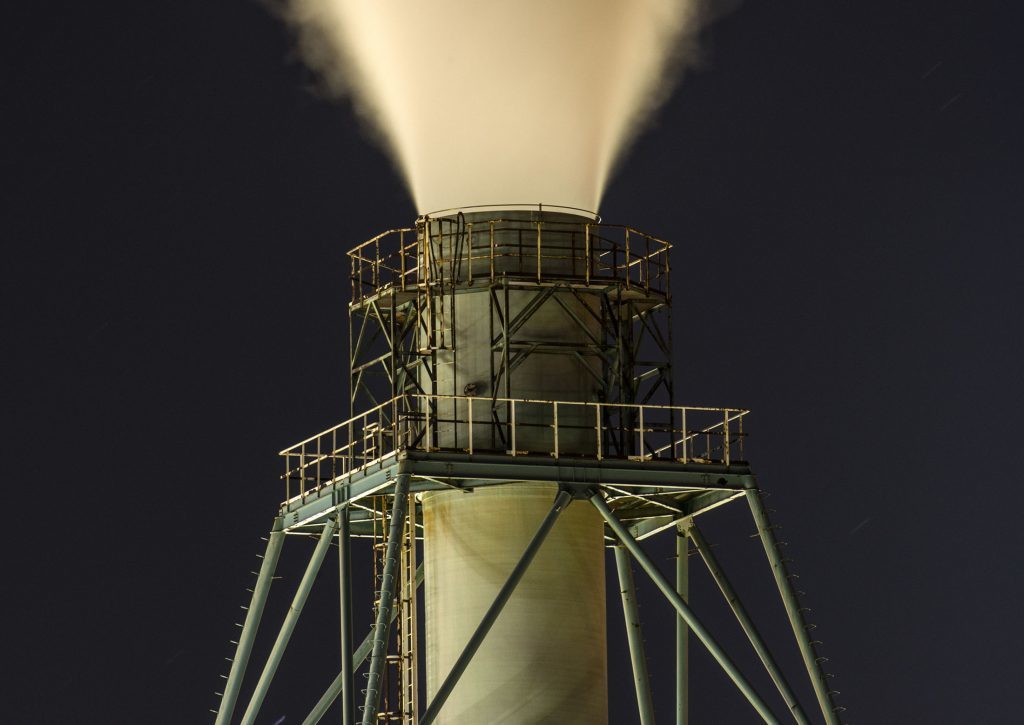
[555,416]
[642,454]
[469,252]
[512,417]
[401,257]
[319,460]
[739,436]
[491,243]
[597,429]
[672,433]
[538,250]
[685,436]
[351,450]
[469,406]
[587,246]
[627,259]
[376,264]
[725,432]
[647,264]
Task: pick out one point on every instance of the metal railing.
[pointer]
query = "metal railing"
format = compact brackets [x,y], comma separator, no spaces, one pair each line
[513,427]
[447,249]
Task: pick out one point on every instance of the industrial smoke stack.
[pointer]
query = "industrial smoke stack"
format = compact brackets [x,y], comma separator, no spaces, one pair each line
[528,419]
[512,406]
[545,660]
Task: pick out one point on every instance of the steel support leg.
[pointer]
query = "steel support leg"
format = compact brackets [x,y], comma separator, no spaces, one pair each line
[360,655]
[796,620]
[747,624]
[385,607]
[641,680]
[623,535]
[345,611]
[563,500]
[252,623]
[290,620]
[682,630]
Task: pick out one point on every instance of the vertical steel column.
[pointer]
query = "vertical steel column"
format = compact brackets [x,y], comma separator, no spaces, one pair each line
[290,620]
[360,655]
[382,625]
[345,581]
[563,499]
[682,630]
[641,680]
[747,624]
[623,535]
[796,620]
[252,623]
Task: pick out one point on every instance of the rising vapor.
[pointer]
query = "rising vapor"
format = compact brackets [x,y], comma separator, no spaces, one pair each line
[501,102]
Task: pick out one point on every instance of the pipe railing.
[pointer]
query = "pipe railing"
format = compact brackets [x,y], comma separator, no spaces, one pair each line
[513,427]
[437,250]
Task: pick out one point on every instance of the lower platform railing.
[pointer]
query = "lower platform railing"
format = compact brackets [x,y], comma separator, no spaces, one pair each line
[514,427]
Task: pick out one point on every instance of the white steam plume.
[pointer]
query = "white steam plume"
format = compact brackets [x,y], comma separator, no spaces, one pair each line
[485,102]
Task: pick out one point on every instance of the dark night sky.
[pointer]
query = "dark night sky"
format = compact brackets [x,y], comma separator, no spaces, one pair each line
[843,184]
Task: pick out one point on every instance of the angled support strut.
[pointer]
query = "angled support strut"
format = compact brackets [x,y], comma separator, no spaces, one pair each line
[290,620]
[747,624]
[252,623]
[641,679]
[796,618]
[627,540]
[357,657]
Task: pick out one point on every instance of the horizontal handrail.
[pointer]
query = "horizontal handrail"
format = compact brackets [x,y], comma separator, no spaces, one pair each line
[514,426]
[436,249]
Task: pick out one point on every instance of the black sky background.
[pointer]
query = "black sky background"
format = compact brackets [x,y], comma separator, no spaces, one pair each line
[842,182]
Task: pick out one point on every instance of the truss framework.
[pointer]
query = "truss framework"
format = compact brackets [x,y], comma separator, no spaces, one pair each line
[647,465]
[613,294]
[637,499]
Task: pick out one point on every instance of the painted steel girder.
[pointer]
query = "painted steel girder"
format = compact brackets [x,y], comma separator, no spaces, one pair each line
[433,471]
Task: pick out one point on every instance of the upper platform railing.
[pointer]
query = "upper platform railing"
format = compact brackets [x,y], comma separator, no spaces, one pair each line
[514,427]
[451,249]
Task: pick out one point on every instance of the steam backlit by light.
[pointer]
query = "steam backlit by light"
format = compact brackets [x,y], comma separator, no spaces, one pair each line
[488,102]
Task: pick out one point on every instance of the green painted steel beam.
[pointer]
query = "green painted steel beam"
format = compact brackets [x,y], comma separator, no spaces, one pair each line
[634,636]
[290,620]
[746,623]
[808,647]
[684,611]
[358,658]
[682,629]
[252,622]
[474,471]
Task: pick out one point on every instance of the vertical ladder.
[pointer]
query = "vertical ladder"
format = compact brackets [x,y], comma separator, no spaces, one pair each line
[408,630]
